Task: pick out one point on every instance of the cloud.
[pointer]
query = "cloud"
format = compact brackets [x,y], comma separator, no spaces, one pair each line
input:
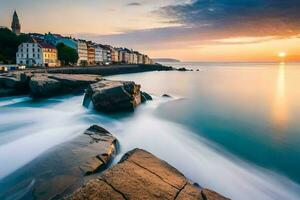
[134,4]
[246,17]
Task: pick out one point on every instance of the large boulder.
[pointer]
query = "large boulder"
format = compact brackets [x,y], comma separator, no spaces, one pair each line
[63,169]
[142,176]
[113,96]
[17,83]
[46,85]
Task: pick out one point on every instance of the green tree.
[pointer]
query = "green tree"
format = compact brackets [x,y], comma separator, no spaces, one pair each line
[9,43]
[66,55]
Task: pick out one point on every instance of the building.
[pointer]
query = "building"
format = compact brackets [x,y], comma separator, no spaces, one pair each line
[140,58]
[82,51]
[37,53]
[91,53]
[15,25]
[135,57]
[100,53]
[55,39]
[124,56]
[146,60]
[114,54]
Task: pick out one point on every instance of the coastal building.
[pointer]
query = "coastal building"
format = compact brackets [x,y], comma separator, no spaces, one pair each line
[124,56]
[135,57]
[114,54]
[15,25]
[37,36]
[99,53]
[91,53]
[140,58]
[146,60]
[106,54]
[82,51]
[55,39]
[37,53]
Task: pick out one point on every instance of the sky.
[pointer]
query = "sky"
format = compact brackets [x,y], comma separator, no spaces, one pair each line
[188,30]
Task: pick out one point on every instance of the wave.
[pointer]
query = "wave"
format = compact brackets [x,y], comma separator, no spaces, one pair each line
[200,160]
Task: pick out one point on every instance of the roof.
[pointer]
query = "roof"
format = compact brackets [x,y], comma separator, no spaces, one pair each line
[46,45]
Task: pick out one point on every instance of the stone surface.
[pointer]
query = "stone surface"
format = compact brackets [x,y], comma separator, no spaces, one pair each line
[113,96]
[63,169]
[142,176]
[47,85]
[146,97]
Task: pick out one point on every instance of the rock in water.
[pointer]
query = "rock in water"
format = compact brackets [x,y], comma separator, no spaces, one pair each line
[46,85]
[167,96]
[142,176]
[114,96]
[146,97]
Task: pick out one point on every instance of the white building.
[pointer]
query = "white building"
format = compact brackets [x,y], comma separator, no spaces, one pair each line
[82,51]
[99,53]
[35,53]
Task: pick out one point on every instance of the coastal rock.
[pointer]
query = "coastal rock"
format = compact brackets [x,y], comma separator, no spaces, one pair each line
[63,169]
[167,96]
[45,85]
[113,96]
[108,150]
[17,81]
[183,69]
[139,176]
[146,97]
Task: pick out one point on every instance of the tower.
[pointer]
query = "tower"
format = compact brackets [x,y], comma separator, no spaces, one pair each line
[15,25]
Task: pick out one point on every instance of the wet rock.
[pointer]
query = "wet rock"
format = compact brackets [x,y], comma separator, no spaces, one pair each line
[146,97]
[13,84]
[63,169]
[45,85]
[183,69]
[167,96]
[99,136]
[140,175]
[113,96]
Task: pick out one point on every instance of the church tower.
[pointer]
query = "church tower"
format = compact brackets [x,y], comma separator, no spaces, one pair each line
[15,25]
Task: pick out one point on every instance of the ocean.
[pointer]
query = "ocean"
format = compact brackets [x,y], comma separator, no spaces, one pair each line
[231,127]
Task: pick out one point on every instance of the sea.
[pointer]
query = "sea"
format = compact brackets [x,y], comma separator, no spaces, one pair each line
[230,127]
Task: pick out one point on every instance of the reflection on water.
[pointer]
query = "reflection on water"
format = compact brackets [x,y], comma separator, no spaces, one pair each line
[280,109]
[221,134]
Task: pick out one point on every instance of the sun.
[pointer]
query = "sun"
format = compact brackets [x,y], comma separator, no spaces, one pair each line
[281,54]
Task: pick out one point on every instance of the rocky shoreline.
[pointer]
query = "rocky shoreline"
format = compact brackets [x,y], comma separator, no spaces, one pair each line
[41,83]
[77,169]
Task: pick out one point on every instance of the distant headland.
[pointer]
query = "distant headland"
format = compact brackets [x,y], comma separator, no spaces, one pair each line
[166,60]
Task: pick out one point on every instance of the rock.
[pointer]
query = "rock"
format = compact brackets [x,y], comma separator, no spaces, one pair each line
[16,81]
[5,92]
[183,69]
[45,85]
[105,154]
[140,175]
[166,95]
[113,96]
[63,169]
[146,97]
[42,86]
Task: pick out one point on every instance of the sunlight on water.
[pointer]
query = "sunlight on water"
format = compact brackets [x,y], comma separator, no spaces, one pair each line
[200,160]
[280,110]
[234,130]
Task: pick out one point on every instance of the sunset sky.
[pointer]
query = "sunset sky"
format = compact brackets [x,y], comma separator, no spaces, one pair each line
[189,30]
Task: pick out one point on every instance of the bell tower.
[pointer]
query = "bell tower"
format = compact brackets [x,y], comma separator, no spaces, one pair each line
[15,25]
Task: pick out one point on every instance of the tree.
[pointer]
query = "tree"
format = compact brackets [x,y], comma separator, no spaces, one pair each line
[9,43]
[66,55]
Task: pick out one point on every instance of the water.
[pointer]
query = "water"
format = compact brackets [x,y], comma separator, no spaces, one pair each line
[231,127]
